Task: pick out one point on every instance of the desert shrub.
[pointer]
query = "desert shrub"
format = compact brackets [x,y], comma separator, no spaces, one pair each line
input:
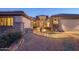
[8,38]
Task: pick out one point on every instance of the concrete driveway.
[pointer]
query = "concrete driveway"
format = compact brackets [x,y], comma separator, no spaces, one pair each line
[33,42]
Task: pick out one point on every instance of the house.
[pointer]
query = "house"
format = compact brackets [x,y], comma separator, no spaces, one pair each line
[10,20]
[67,22]
[42,22]
[35,23]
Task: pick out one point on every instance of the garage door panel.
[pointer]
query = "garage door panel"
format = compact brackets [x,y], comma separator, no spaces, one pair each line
[70,24]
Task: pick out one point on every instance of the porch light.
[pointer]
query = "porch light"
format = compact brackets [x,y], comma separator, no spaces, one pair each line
[43,30]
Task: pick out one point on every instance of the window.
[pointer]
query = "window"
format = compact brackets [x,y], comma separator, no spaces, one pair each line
[11,21]
[55,21]
[6,21]
[1,21]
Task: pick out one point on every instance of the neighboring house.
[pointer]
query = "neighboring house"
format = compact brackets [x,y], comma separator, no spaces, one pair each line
[42,21]
[14,20]
[58,23]
[67,22]
[35,23]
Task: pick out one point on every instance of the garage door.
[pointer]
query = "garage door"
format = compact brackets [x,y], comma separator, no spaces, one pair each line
[70,24]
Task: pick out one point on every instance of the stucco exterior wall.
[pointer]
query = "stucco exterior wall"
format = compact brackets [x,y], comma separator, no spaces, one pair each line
[27,22]
[70,24]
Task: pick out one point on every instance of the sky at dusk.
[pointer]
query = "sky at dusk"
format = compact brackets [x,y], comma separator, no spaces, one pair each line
[43,11]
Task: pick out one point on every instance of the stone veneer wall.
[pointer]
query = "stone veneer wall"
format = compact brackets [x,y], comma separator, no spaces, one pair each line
[18,24]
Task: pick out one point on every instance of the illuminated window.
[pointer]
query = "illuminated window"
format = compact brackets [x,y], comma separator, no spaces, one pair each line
[55,21]
[8,21]
[4,21]
[11,21]
[1,21]
[48,24]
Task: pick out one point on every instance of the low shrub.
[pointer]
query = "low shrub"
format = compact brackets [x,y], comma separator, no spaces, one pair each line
[8,38]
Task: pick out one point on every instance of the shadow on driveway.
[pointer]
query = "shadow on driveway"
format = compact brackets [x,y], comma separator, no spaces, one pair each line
[69,45]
